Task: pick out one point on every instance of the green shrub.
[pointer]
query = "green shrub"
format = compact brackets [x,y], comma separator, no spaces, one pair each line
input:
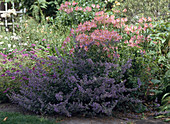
[159,48]
[158,9]
[30,32]
[78,16]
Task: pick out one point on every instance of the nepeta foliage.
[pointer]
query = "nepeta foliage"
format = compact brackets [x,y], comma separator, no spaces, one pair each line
[72,85]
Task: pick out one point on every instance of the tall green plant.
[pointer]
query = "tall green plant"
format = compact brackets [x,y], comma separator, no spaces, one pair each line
[37,9]
[159,9]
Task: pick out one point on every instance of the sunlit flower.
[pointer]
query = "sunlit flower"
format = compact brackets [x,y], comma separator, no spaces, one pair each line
[71,51]
[74,3]
[99,13]
[154,42]
[118,4]
[149,19]
[25,44]
[125,10]
[43,39]
[67,3]
[93,5]
[77,8]
[97,6]
[33,45]
[150,25]
[47,18]
[88,9]
[9,45]
[140,20]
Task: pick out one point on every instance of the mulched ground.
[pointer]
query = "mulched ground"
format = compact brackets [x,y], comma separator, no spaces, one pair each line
[118,119]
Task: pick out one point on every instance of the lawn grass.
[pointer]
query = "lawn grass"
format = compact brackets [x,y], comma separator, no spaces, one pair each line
[17,118]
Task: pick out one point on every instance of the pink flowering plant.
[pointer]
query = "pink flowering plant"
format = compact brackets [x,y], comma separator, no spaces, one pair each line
[75,13]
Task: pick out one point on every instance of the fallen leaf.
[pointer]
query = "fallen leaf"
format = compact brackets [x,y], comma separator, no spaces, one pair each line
[5,118]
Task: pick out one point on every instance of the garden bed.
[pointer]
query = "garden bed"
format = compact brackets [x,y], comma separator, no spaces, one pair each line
[90,60]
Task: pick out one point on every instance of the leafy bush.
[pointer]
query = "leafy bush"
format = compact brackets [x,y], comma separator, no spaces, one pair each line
[159,48]
[73,85]
[74,13]
[158,9]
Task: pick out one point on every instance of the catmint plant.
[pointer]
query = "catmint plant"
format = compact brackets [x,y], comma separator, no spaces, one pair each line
[72,85]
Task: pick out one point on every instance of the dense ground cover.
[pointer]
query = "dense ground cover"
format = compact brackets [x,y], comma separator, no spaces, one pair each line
[94,63]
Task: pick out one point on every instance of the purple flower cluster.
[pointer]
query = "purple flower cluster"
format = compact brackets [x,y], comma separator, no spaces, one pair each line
[72,85]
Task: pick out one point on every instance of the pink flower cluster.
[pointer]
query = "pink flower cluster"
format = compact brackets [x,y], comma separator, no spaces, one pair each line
[141,20]
[105,35]
[65,42]
[68,7]
[78,8]
[136,31]
[97,30]
[88,32]
[103,18]
[86,26]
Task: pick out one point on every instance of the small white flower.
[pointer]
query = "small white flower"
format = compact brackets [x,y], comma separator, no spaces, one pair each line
[6,38]
[1,36]
[137,17]
[11,50]
[14,46]
[1,43]
[12,37]
[15,37]
[9,45]
[105,1]
[25,44]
